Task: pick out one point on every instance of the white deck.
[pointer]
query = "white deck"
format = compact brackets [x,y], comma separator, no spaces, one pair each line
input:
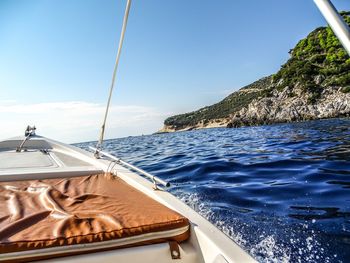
[11,160]
[46,158]
[41,159]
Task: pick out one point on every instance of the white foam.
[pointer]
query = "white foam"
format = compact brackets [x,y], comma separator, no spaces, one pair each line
[267,248]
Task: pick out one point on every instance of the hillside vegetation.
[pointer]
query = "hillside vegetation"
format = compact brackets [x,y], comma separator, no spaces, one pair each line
[223,109]
[316,63]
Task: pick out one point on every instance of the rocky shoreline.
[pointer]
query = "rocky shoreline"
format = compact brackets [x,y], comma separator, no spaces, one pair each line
[289,105]
[292,105]
[313,84]
[216,123]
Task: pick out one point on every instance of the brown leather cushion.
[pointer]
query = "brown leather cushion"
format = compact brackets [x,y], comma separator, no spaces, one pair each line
[54,212]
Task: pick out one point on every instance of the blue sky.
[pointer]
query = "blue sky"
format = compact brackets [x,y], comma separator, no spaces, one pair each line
[57,57]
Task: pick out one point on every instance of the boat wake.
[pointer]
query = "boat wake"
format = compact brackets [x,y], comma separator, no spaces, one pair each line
[262,245]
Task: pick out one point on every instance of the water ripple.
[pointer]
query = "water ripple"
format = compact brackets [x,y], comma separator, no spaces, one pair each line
[281,191]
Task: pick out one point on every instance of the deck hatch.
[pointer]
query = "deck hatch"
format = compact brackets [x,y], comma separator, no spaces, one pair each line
[29,159]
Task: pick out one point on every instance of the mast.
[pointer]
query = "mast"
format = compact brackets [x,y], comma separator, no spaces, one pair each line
[335,21]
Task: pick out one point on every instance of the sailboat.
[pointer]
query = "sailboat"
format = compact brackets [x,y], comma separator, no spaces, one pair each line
[60,203]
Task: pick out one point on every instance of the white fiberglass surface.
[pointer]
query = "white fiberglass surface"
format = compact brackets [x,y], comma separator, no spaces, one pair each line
[13,160]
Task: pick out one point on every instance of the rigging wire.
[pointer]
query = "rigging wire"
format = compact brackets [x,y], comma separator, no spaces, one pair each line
[125,21]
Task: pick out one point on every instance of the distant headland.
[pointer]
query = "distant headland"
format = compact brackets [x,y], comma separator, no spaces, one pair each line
[313,84]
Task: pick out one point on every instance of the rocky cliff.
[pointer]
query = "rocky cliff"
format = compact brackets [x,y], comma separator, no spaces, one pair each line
[281,107]
[313,84]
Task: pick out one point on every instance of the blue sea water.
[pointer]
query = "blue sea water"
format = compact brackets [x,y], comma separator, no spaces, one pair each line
[281,191]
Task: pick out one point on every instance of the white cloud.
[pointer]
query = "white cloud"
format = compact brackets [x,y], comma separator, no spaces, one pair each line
[76,121]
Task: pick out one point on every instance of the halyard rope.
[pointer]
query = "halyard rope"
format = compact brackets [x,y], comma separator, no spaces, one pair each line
[125,21]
